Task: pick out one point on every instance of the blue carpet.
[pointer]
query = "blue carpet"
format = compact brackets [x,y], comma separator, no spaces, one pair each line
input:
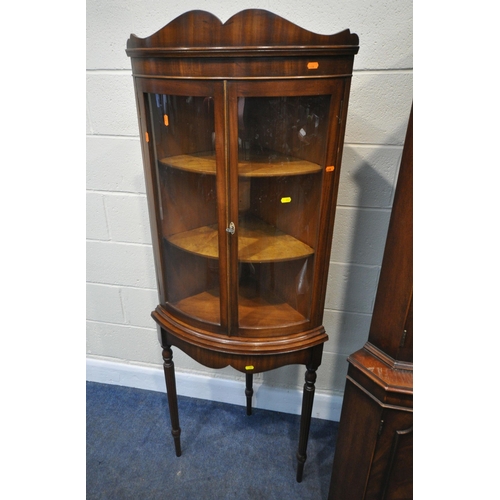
[225,453]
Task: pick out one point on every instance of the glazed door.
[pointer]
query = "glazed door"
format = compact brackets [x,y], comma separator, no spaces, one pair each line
[282,165]
[185,141]
[243,179]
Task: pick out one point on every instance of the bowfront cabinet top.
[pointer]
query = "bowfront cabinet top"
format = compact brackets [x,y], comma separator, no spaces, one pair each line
[242,127]
[198,45]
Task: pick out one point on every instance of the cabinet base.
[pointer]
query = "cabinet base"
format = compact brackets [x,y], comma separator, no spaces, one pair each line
[249,363]
[373,453]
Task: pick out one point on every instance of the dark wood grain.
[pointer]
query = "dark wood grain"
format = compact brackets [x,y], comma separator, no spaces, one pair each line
[169,369]
[374,450]
[201,33]
[203,89]
[394,299]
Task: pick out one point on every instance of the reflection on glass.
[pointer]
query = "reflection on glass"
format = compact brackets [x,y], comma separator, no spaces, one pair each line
[183,135]
[281,149]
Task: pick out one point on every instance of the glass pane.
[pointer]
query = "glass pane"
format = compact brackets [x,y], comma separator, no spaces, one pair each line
[281,153]
[183,137]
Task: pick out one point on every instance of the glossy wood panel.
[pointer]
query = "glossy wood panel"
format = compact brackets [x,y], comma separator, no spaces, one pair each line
[202,33]
[268,68]
[374,450]
[393,306]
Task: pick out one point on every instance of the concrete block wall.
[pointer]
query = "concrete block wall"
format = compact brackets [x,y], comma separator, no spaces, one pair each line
[121,285]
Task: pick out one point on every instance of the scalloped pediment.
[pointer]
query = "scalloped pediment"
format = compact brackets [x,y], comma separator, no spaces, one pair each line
[248,28]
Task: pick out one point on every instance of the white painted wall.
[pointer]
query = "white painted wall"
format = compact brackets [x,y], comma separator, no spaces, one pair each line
[120,273]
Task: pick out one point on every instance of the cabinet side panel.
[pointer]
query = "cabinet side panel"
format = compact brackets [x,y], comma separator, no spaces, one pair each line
[400,477]
[394,293]
[391,472]
[357,438]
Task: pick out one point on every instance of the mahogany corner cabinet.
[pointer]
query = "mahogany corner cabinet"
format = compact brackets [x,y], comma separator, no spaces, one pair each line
[242,127]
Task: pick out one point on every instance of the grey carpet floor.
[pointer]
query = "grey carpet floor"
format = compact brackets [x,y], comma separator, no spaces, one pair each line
[225,453]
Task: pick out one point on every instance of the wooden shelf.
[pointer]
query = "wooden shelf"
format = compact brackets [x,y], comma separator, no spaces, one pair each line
[200,163]
[204,306]
[254,310]
[257,165]
[257,242]
[200,241]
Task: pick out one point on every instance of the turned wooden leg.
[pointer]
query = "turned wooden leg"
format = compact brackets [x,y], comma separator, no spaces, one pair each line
[305,419]
[168,368]
[249,392]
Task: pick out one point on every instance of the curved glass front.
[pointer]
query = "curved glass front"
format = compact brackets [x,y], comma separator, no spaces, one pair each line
[281,152]
[184,147]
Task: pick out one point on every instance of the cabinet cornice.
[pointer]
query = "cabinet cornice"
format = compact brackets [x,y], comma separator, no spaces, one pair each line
[252,32]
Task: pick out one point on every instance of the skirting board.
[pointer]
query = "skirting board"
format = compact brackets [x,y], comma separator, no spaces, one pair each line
[326,406]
